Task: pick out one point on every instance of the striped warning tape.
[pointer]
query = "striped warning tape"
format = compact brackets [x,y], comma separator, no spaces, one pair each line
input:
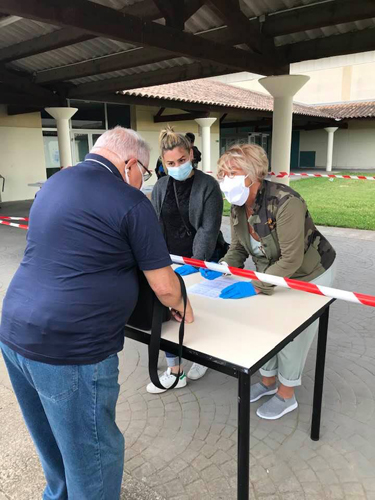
[357,298]
[280,175]
[329,176]
[6,223]
[334,293]
[13,218]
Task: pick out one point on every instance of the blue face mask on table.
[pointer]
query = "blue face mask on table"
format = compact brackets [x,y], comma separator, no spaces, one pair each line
[182,172]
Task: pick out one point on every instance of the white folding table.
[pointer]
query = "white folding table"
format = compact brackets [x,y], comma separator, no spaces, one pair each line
[237,337]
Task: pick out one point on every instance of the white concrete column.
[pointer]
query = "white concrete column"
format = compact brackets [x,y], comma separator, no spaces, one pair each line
[282,88]
[62,117]
[205,124]
[331,131]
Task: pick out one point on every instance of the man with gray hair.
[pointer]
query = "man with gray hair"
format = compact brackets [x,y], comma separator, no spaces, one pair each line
[65,310]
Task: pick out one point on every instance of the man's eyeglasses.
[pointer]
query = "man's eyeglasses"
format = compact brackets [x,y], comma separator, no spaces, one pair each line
[147,174]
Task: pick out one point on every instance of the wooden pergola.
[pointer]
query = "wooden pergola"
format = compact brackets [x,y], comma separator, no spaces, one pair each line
[161,41]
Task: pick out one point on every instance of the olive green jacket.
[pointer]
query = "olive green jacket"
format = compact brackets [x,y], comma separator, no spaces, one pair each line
[291,244]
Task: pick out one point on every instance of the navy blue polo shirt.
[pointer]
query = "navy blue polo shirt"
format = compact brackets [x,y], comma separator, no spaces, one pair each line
[77,284]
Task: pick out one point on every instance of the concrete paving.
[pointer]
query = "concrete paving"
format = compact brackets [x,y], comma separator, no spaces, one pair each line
[183,444]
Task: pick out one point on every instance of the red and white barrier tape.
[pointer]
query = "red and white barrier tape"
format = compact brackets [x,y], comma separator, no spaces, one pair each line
[330,176]
[357,298]
[334,293]
[13,218]
[6,223]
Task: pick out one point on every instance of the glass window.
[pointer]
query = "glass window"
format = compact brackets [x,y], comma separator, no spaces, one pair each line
[51,150]
[90,115]
[47,120]
[118,115]
[95,137]
[81,146]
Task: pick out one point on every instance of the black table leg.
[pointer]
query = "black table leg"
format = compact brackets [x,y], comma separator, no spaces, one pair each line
[319,375]
[243,436]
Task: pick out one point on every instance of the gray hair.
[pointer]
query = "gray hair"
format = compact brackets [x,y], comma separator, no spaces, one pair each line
[125,143]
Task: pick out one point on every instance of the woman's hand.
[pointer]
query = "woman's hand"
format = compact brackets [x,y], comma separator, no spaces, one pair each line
[209,275]
[238,290]
[185,270]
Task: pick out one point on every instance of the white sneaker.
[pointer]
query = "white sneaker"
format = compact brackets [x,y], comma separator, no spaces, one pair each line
[167,380]
[196,371]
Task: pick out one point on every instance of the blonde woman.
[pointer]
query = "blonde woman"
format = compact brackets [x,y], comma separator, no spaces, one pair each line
[189,206]
[271,222]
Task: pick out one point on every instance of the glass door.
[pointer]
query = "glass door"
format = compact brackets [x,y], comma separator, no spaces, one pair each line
[82,143]
[95,137]
[260,139]
[81,146]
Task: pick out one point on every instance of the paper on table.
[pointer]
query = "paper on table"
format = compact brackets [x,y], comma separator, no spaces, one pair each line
[211,288]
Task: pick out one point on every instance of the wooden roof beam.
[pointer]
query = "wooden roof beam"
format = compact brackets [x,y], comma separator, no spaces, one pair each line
[44,43]
[21,83]
[304,18]
[181,117]
[231,14]
[129,59]
[108,23]
[318,16]
[150,101]
[173,12]
[69,36]
[147,79]
[335,45]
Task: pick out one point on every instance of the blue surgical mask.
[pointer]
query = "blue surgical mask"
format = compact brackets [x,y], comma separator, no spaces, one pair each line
[182,172]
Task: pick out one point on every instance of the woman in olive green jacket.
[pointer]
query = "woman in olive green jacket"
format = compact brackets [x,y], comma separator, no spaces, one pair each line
[271,222]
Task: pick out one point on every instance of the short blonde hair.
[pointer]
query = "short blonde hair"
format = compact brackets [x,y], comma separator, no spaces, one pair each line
[250,158]
[169,139]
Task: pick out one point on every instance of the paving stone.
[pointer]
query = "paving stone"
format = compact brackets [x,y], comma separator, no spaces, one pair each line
[177,465]
[219,489]
[211,473]
[327,476]
[265,487]
[369,484]
[197,489]
[220,457]
[353,489]
[229,469]
[288,484]
[307,476]
[200,463]
[291,495]
[188,475]
[134,463]
[333,492]
[174,488]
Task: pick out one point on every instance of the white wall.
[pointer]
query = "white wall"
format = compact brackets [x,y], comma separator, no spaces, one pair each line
[149,130]
[353,148]
[315,140]
[333,79]
[22,154]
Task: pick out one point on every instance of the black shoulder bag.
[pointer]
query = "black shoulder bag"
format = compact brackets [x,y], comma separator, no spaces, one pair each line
[150,314]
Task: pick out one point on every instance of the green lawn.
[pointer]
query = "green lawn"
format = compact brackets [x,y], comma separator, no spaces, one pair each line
[337,202]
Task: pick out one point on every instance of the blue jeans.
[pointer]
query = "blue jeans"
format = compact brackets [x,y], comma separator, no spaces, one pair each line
[70,413]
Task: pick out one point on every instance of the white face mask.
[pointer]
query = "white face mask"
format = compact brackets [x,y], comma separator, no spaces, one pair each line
[235,190]
[127,177]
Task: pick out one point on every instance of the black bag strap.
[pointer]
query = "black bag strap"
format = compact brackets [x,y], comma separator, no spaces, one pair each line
[154,346]
[179,209]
